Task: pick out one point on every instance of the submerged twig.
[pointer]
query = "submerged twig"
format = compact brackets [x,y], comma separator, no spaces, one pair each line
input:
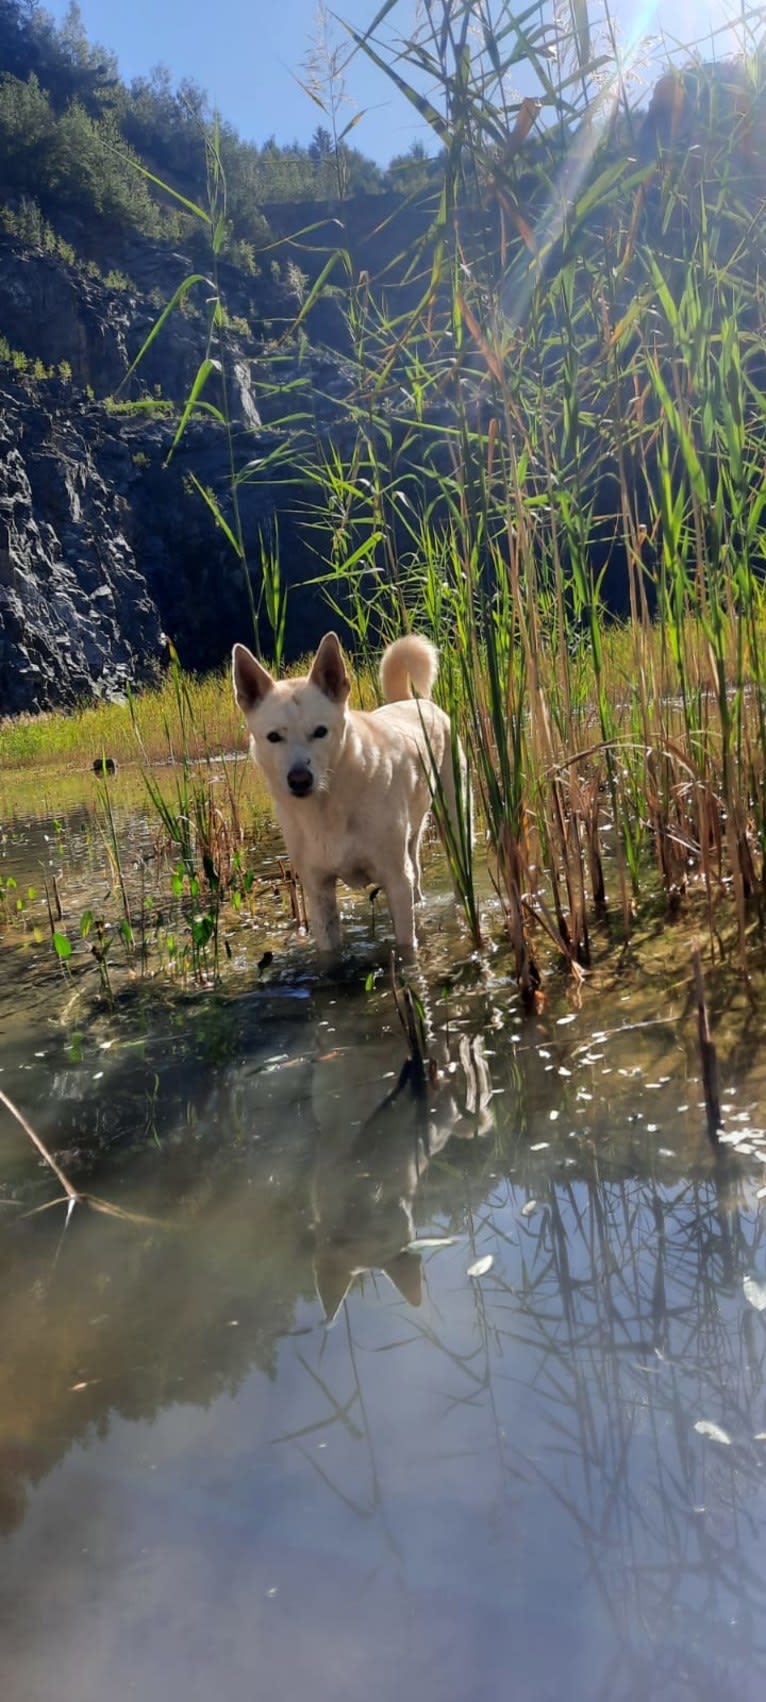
[708,1054]
[71,1193]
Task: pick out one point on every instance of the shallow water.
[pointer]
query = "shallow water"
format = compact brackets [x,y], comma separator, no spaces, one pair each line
[253,1442]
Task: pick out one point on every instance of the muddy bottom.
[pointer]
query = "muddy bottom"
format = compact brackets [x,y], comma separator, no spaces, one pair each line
[372,1385]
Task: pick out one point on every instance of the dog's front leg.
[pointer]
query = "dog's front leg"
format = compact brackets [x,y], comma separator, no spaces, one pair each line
[401,902]
[413,852]
[322,906]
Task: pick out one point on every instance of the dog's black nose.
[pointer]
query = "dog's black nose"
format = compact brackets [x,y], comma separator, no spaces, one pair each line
[300,781]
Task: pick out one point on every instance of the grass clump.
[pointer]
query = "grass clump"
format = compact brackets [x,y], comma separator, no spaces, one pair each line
[175,846]
[212,726]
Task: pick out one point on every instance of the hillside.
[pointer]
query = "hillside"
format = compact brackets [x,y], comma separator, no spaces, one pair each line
[101,546]
[330,345]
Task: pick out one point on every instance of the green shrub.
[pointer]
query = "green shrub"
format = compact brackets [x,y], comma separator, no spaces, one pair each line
[116,281]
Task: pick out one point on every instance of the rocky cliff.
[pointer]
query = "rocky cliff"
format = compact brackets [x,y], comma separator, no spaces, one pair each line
[102,544]
[76,613]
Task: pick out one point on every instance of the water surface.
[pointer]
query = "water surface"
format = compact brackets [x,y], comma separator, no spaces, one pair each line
[254,1441]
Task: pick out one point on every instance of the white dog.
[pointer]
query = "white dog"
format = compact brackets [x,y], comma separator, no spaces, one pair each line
[350,787]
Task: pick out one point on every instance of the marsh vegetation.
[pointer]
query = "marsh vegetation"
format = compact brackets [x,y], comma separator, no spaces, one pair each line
[552,462]
[423,1340]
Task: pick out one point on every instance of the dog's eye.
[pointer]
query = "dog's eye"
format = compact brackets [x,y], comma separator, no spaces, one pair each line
[274,738]
[319,733]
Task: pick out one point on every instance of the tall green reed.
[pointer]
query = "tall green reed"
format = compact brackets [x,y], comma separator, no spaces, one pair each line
[559,381]
[586,310]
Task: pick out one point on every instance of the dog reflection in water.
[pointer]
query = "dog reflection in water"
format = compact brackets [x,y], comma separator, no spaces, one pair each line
[364,1194]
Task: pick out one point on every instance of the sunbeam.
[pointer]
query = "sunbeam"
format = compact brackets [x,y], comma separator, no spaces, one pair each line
[643,40]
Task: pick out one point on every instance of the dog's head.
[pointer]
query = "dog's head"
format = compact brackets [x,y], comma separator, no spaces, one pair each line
[297,726]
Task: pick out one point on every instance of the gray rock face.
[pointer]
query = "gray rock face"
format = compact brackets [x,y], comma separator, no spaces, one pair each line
[103,546]
[55,312]
[76,617]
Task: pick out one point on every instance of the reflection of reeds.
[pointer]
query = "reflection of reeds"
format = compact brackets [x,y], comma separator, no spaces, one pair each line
[555,1397]
[609,1328]
[611,1325]
[411,1012]
[708,1055]
[621,1306]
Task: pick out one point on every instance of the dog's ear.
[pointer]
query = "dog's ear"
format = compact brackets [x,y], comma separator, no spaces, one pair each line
[406,1274]
[328,670]
[251,680]
[333,1275]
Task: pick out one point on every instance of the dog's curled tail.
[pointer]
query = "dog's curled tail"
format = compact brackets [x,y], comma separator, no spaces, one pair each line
[408,659]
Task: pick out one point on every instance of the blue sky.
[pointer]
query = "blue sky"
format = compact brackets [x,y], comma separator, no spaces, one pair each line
[246,53]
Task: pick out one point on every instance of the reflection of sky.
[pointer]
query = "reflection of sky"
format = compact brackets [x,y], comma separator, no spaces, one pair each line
[207,1495]
[512,1485]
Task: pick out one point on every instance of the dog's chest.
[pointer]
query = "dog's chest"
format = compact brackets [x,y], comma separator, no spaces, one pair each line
[353,863]
[357,875]
[334,851]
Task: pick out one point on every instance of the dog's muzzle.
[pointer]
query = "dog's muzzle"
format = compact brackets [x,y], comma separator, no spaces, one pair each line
[300,782]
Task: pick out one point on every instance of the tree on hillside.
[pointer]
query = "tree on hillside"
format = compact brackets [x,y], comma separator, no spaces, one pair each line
[66,64]
[166,126]
[27,131]
[94,70]
[70,126]
[413,171]
[17,52]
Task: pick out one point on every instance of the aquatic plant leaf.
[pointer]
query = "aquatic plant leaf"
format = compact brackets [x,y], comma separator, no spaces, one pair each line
[425,1242]
[480,1266]
[205,368]
[61,946]
[704,1427]
[581,23]
[175,301]
[755,1292]
[209,499]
